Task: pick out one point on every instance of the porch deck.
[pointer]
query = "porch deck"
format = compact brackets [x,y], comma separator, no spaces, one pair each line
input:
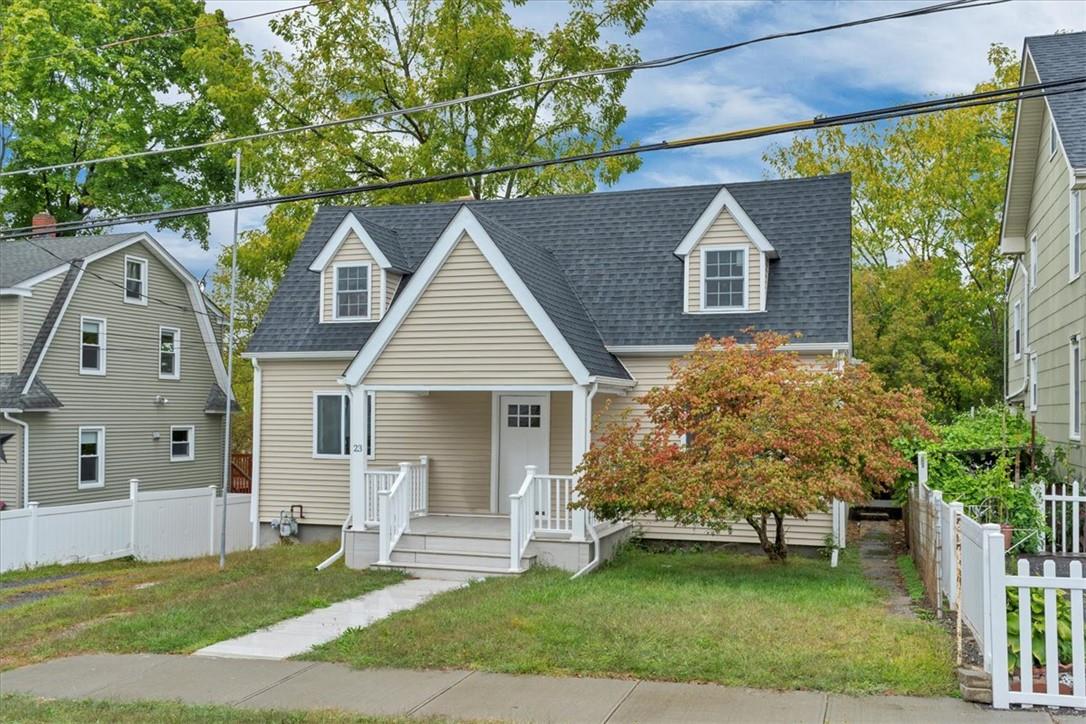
[475,526]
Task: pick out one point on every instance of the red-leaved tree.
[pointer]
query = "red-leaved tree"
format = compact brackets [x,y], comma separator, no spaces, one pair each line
[750,432]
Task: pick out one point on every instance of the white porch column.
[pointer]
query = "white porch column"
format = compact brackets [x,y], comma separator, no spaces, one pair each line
[580,446]
[359,422]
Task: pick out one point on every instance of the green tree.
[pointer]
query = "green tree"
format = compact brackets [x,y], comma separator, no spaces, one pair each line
[63,100]
[926,189]
[359,57]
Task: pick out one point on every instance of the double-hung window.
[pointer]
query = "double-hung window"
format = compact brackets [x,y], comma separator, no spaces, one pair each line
[351,291]
[92,346]
[1075,391]
[1075,246]
[182,443]
[1033,382]
[1016,330]
[332,425]
[724,278]
[135,280]
[169,353]
[92,457]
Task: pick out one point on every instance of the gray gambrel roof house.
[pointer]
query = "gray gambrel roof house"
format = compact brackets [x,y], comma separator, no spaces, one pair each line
[606,268]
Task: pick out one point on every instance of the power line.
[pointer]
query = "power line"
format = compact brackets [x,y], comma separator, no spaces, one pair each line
[177,31]
[644,65]
[1001,95]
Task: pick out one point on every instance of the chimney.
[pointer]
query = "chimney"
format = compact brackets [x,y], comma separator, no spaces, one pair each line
[44,224]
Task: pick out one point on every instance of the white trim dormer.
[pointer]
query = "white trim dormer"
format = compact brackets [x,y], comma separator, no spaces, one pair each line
[698,238]
[724,200]
[349,224]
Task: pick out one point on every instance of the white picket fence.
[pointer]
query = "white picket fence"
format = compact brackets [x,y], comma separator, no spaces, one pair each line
[1064,507]
[156,525]
[964,563]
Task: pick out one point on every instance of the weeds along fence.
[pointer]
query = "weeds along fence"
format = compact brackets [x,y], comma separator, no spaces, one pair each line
[150,525]
[1029,626]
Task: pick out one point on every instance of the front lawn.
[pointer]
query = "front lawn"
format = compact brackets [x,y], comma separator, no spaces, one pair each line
[728,618]
[177,607]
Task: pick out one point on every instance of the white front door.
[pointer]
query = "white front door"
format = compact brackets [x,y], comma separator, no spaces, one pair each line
[523,439]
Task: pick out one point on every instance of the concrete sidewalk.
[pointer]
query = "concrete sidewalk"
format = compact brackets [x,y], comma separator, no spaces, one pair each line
[297,635]
[465,695]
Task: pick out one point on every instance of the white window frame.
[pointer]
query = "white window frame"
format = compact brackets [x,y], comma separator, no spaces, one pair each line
[101,481]
[145,281]
[192,444]
[345,418]
[704,251]
[336,316]
[1053,140]
[99,371]
[1033,260]
[1033,391]
[1074,387]
[1016,330]
[1074,237]
[176,375]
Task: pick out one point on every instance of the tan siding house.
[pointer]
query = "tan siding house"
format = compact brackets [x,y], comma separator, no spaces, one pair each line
[1042,231]
[119,374]
[443,431]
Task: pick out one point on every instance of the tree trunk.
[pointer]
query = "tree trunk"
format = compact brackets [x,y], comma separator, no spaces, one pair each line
[776,549]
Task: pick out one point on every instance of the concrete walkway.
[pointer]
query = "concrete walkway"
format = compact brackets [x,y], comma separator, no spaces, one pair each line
[287,685]
[298,635]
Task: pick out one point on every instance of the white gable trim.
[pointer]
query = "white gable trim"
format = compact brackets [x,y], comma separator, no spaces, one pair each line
[53,332]
[192,286]
[724,200]
[350,223]
[463,223]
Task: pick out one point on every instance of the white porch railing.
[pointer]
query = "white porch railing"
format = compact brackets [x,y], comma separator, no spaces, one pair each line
[542,506]
[404,497]
[378,480]
[551,496]
[521,518]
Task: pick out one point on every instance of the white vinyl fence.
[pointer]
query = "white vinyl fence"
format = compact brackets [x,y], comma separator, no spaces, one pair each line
[154,525]
[1064,507]
[963,563]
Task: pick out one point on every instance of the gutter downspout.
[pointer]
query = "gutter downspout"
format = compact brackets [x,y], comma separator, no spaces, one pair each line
[592,564]
[26,457]
[342,546]
[254,492]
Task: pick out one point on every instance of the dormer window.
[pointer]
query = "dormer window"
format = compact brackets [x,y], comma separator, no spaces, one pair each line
[135,280]
[1053,141]
[352,291]
[724,280]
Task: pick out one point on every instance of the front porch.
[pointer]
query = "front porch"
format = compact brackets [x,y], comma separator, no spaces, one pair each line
[400,532]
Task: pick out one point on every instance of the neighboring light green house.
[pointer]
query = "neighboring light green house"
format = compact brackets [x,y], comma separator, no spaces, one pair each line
[109,370]
[1042,230]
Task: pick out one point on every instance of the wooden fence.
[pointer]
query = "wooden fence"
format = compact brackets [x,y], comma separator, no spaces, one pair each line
[241,472]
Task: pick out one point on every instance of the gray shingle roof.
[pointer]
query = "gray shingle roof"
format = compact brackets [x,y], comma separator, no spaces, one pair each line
[39,397]
[216,400]
[21,259]
[1059,57]
[616,253]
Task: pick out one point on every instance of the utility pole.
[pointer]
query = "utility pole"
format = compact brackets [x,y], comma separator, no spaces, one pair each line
[230,361]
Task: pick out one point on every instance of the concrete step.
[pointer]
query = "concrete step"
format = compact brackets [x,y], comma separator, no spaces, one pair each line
[448,573]
[455,558]
[454,542]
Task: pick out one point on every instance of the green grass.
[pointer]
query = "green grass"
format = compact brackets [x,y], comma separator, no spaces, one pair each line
[706,616]
[176,607]
[913,585]
[18,708]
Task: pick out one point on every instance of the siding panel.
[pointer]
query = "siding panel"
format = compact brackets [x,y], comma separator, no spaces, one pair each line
[11,356]
[468,328]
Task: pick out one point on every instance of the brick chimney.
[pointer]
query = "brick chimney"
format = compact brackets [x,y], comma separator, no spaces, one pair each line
[44,224]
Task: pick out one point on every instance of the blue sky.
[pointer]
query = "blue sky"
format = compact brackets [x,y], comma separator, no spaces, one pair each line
[783,80]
